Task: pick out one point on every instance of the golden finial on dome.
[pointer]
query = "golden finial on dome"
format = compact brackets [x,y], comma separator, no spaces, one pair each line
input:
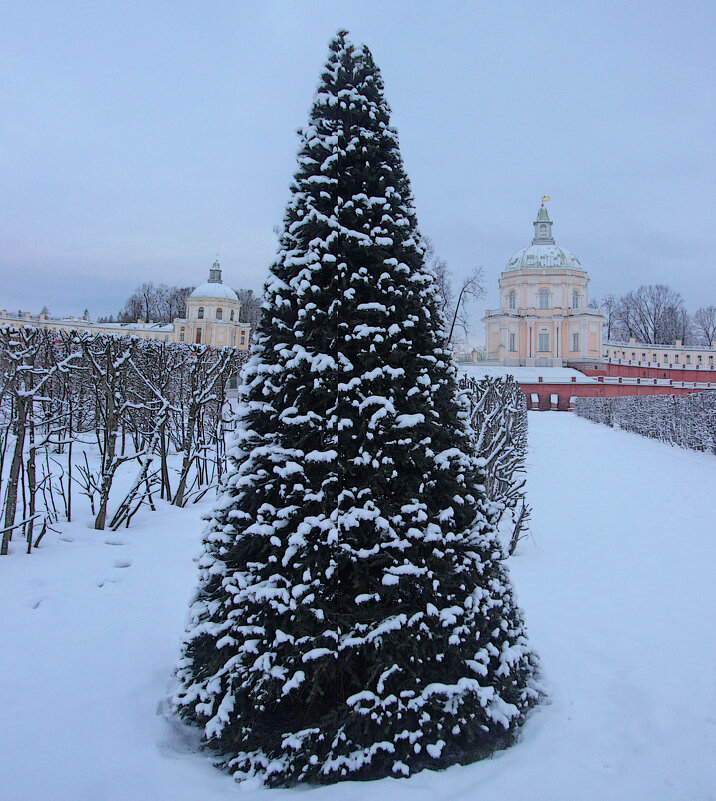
[545,198]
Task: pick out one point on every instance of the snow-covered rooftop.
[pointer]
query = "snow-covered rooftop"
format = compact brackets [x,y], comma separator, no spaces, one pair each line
[214,291]
[538,257]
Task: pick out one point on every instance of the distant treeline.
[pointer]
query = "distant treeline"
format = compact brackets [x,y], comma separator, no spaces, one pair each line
[162,304]
[656,315]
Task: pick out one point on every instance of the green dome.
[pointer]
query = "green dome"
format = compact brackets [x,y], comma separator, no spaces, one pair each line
[543,253]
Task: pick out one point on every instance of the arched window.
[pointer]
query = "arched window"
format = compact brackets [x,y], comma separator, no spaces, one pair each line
[543,299]
[513,299]
[200,313]
[575,299]
[219,313]
[231,316]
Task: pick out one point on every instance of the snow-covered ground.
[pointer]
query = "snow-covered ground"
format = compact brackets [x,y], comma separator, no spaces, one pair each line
[617,584]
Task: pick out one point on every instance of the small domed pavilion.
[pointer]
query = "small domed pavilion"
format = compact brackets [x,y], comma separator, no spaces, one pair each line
[544,319]
[212,315]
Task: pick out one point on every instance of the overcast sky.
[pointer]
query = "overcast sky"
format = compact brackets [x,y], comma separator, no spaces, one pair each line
[139,139]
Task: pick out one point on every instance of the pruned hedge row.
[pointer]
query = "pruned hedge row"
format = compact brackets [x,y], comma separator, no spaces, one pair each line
[688,421]
[498,416]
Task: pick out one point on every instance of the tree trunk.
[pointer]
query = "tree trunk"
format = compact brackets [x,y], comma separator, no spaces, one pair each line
[188,457]
[13,478]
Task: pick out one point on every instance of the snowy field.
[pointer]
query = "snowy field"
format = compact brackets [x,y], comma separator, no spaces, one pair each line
[617,583]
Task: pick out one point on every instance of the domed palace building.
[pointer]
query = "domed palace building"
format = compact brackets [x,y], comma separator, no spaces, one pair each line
[544,319]
[212,315]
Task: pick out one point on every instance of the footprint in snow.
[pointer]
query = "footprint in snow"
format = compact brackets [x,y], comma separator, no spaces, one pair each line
[123,563]
[107,581]
[114,542]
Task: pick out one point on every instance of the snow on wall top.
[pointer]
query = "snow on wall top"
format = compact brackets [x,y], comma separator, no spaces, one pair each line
[527,375]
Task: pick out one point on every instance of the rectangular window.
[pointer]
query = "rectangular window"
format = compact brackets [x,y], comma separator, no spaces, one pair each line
[699,359]
[543,344]
[181,335]
[643,357]
[688,358]
[575,342]
[666,358]
[512,342]
[676,359]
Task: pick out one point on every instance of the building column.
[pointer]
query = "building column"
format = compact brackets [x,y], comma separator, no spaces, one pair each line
[583,348]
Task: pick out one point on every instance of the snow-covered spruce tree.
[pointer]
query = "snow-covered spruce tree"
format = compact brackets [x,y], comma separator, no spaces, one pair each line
[353,618]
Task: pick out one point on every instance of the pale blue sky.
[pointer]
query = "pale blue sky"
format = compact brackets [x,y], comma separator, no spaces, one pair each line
[137,139]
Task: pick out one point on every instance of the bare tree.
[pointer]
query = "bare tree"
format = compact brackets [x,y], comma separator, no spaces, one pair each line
[705,324]
[160,303]
[107,359]
[677,325]
[454,310]
[176,301]
[471,289]
[443,282]
[143,304]
[613,328]
[27,372]
[207,389]
[250,311]
[652,314]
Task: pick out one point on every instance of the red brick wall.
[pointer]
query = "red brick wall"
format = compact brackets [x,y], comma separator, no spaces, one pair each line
[636,370]
[597,390]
